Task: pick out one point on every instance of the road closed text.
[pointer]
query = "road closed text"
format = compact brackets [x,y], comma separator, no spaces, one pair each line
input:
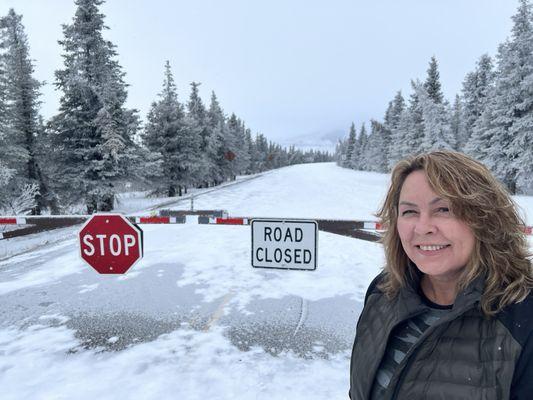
[298,256]
[284,244]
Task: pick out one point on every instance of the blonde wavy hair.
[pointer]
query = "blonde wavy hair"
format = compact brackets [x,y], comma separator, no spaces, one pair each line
[501,250]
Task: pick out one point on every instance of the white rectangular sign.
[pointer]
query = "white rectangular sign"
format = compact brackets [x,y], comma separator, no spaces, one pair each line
[286,244]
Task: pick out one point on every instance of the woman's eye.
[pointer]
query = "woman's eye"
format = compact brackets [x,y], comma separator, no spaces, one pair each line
[407,212]
[443,209]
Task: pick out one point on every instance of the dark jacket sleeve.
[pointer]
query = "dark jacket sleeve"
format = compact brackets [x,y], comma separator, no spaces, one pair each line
[518,318]
[522,385]
[370,290]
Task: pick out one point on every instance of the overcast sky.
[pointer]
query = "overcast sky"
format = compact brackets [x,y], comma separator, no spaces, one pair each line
[288,68]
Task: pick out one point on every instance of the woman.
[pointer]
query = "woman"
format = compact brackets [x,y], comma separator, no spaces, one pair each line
[451,315]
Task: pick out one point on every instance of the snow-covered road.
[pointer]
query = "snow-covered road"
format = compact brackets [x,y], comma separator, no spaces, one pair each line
[193,319]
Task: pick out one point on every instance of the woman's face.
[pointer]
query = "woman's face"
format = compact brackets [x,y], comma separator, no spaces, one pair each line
[432,237]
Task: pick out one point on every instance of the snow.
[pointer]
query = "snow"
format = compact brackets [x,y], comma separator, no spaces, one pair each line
[320,190]
[44,362]
[25,244]
[44,353]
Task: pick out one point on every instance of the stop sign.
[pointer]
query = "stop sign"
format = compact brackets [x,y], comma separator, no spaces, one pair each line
[110,243]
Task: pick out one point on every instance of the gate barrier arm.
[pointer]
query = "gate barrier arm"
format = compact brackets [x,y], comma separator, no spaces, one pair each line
[365,230]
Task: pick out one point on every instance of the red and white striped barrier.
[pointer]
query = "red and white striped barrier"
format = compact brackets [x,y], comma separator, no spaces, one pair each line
[215,217]
[232,221]
[157,220]
[373,225]
[12,221]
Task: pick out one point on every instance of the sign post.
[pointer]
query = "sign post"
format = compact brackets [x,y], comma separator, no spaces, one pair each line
[110,243]
[284,244]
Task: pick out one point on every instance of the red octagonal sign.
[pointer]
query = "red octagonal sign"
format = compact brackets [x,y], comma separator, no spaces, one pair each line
[110,243]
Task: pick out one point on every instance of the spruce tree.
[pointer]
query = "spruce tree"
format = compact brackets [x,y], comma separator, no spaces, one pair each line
[261,145]
[395,135]
[378,143]
[198,113]
[167,133]
[520,150]
[504,129]
[457,124]
[394,111]
[21,115]
[197,119]
[475,92]
[216,123]
[356,154]
[362,145]
[399,145]
[432,83]
[388,114]
[249,148]
[233,151]
[93,132]
[243,160]
[340,152]
[351,149]
[436,121]
[413,133]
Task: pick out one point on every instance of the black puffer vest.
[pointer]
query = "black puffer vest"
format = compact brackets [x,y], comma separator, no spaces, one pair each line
[463,356]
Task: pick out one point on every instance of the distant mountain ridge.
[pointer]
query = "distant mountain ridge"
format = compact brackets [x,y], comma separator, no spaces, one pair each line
[323,141]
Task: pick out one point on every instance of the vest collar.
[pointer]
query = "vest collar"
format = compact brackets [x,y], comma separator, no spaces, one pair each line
[409,301]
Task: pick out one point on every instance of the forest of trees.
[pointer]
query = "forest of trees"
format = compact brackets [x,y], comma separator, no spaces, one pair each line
[95,146]
[491,120]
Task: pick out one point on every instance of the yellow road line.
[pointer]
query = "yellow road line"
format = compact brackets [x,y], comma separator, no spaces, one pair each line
[219,312]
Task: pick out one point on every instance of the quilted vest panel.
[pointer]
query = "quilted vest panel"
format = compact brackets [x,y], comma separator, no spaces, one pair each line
[468,357]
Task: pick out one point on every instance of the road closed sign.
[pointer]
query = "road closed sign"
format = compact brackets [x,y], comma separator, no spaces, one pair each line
[285,244]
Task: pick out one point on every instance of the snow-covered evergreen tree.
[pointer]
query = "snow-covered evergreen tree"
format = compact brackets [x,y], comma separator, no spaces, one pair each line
[216,141]
[376,148]
[388,131]
[243,154]
[20,116]
[503,132]
[351,155]
[354,160]
[394,111]
[362,144]
[198,113]
[402,142]
[396,122]
[93,132]
[457,124]
[475,92]
[413,128]
[432,83]
[340,152]
[197,119]
[168,134]
[520,150]
[261,149]
[249,148]
[234,153]
[436,121]
[388,115]
[243,150]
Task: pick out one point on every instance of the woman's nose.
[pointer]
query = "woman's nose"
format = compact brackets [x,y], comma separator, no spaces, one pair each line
[424,225]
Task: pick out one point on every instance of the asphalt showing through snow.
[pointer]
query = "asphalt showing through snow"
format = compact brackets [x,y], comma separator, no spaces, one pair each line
[114,312]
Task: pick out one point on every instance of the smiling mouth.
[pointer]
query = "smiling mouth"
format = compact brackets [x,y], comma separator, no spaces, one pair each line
[433,248]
